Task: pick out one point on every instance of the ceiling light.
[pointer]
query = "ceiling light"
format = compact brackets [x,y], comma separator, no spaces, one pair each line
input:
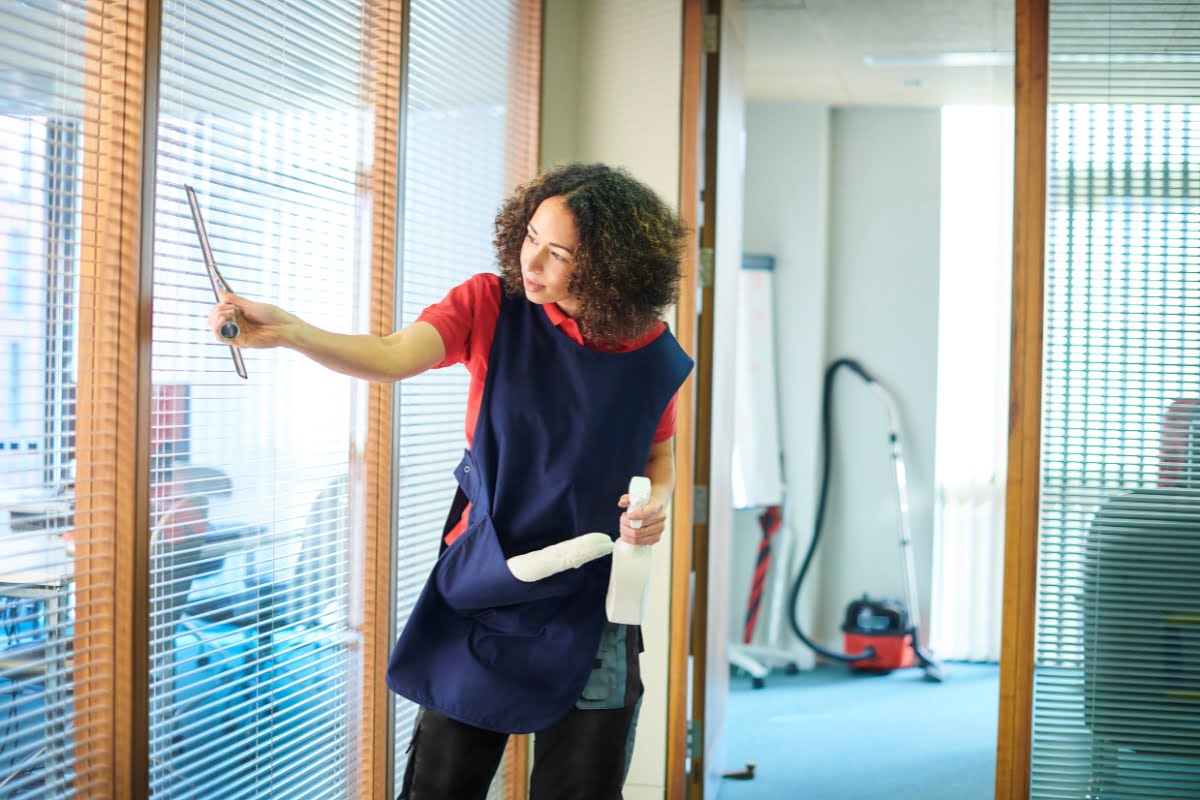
[798,5]
[938,59]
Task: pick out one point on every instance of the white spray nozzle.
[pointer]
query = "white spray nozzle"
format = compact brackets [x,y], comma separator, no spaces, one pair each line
[639,495]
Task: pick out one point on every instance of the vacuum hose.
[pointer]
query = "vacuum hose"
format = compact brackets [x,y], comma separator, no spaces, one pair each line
[826,459]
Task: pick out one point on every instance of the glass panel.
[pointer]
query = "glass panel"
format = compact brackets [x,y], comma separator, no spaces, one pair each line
[41,161]
[255,539]
[1117,681]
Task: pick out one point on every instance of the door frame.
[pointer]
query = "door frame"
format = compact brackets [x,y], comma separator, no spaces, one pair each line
[1017,643]
[686,331]
[703,26]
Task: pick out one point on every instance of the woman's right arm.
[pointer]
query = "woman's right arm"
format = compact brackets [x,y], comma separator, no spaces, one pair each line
[382,359]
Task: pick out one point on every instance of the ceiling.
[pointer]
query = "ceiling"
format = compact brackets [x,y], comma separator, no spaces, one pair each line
[818,51]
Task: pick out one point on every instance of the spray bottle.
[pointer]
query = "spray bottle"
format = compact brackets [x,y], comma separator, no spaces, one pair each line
[626,600]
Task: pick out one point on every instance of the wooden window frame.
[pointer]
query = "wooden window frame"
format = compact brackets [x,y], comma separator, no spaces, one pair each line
[113,424]
[385,23]
[1017,647]
[524,115]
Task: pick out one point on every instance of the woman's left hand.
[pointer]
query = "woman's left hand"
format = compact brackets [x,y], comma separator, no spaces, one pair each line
[654,521]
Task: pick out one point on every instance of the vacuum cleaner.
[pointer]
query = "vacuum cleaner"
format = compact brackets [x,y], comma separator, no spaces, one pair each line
[879,635]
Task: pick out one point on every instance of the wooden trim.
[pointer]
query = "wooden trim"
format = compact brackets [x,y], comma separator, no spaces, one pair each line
[1025,408]
[111,488]
[383,25]
[518,755]
[704,381]
[138,744]
[523,126]
[524,104]
[685,422]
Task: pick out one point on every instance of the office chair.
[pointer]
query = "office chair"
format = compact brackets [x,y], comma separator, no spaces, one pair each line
[1141,621]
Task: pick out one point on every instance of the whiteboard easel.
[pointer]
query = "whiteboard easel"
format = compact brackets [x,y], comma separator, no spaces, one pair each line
[757,473]
[757,452]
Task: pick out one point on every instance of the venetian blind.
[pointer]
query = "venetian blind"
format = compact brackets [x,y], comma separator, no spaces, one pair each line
[470,121]
[256,530]
[1117,678]
[61,66]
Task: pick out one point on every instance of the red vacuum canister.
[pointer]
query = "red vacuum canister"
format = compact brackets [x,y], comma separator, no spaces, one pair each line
[881,626]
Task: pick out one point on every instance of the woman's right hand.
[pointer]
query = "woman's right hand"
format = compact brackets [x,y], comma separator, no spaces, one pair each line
[260,325]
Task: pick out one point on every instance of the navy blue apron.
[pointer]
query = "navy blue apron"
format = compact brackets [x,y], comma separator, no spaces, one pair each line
[561,430]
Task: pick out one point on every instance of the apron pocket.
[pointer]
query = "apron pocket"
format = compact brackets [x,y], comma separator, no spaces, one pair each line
[473,575]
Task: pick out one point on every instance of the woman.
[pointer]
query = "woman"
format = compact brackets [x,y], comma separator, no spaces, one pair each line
[573,380]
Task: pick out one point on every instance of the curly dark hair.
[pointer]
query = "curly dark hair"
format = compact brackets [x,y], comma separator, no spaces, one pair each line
[627,258]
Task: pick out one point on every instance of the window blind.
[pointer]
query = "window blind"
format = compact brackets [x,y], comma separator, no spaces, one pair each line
[256,515]
[56,565]
[1116,709]
[470,127]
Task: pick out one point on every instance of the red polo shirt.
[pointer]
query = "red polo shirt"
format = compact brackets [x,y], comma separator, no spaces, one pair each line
[466,319]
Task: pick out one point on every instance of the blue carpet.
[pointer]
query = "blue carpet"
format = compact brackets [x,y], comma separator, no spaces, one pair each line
[831,735]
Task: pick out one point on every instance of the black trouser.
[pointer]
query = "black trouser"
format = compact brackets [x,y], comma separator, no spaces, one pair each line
[584,756]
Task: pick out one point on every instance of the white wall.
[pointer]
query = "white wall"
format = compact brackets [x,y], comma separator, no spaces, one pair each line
[860,280]
[627,56]
[883,296]
[629,91]
[560,81]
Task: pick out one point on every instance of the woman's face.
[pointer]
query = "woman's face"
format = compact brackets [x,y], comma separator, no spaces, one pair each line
[548,255]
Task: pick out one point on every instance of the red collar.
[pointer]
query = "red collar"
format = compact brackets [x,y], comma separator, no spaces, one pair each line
[559,319]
